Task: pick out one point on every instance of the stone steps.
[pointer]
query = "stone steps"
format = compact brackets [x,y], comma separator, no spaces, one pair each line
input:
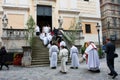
[40,55]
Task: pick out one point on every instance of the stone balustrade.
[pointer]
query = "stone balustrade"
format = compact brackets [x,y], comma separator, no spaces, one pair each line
[14,33]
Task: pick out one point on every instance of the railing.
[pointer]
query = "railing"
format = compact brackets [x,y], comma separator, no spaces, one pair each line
[14,33]
[68,37]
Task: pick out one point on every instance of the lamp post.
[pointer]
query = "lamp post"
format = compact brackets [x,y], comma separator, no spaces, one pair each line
[4,21]
[98,30]
[60,21]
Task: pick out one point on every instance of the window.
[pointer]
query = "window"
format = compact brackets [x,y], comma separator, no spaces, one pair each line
[86,0]
[87,28]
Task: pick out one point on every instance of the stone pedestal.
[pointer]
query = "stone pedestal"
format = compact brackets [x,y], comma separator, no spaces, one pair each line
[26,59]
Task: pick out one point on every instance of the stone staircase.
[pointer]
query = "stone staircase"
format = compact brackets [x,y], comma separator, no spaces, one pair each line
[40,54]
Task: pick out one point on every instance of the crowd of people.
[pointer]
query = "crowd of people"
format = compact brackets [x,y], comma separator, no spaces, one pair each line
[58,50]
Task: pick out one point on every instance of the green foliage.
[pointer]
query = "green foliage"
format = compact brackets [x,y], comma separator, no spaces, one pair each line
[30,23]
[30,29]
[83,50]
[74,27]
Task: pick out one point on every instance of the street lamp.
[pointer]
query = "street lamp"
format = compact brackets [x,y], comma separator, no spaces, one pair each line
[60,21]
[98,30]
[4,21]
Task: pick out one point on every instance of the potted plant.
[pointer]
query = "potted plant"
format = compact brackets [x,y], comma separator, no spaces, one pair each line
[30,30]
[26,59]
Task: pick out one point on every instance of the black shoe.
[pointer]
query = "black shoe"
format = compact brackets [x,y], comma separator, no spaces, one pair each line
[110,74]
[76,67]
[98,70]
[53,67]
[71,67]
[64,72]
[114,76]
[89,70]
[61,71]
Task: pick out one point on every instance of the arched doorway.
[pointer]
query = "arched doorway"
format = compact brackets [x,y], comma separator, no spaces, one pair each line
[44,16]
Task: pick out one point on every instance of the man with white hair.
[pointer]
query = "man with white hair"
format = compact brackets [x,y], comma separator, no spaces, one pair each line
[92,57]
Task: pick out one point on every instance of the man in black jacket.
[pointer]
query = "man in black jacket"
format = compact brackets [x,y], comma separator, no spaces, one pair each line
[110,50]
[3,53]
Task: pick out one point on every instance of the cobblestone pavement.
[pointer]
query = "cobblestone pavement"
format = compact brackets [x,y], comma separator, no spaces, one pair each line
[45,73]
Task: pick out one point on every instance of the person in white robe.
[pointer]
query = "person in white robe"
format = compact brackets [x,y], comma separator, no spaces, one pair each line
[49,45]
[49,36]
[42,35]
[46,29]
[43,29]
[53,55]
[74,57]
[45,40]
[92,57]
[37,30]
[63,56]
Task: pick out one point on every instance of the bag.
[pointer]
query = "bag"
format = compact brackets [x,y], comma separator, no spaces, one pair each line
[115,55]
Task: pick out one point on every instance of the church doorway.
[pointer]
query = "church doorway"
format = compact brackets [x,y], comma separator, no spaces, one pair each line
[44,16]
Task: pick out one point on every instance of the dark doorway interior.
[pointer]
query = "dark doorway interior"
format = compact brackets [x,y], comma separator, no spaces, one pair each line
[44,16]
[43,21]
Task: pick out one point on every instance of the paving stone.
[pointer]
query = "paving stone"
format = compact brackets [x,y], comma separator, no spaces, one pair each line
[45,73]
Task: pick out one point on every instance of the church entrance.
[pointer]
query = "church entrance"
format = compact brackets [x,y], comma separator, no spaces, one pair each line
[44,16]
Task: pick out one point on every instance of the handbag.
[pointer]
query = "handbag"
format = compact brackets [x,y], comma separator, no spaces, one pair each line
[115,55]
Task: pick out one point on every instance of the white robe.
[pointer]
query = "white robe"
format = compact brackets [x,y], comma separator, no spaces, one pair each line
[49,45]
[42,35]
[37,29]
[46,29]
[45,40]
[53,51]
[93,58]
[63,56]
[49,36]
[74,57]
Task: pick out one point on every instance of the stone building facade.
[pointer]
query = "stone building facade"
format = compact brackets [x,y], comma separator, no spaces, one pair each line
[110,13]
[48,12]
